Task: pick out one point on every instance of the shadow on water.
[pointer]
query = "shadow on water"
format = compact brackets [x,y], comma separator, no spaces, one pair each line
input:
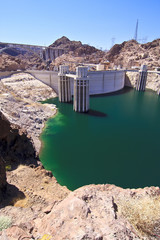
[96,113]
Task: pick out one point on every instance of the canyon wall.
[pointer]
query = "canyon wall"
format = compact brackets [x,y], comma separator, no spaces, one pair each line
[153,80]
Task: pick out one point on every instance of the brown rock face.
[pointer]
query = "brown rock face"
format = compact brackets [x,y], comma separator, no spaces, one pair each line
[132,53]
[21,62]
[15,146]
[103,212]
[76,47]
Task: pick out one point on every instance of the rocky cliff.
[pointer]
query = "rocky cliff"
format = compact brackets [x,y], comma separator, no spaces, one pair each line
[21,62]
[131,53]
[153,80]
[76,47]
[75,53]
[15,145]
[95,212]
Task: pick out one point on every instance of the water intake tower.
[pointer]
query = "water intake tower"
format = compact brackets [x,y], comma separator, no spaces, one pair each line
[81,90]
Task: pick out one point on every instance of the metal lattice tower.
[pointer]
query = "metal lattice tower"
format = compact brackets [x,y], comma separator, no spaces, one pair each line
[136,31]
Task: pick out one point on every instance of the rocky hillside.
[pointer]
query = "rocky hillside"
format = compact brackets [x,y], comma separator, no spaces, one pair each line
[127,54]
[76,53]
[95,212]
[132,53]
[76,47]
[19,58]
[21,62]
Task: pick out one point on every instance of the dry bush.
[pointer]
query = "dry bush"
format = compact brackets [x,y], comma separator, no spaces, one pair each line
[143,214]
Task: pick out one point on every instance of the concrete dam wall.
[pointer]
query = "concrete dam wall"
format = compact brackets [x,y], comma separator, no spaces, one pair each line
[48,77]
[100,82]
[106,81]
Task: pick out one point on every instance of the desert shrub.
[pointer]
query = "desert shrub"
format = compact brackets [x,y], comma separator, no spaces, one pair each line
[5,222]
[8,168]
[143,214]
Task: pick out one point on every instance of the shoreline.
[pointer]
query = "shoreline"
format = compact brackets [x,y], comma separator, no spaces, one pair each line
[42,207]
[44,129]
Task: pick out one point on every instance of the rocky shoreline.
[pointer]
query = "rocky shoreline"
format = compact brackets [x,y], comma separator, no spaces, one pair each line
[30,197]
[20,97]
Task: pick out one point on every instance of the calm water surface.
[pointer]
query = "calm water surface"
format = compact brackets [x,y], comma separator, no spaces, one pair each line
[117,142]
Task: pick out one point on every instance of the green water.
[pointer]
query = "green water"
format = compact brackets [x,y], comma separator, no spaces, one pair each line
[117,142]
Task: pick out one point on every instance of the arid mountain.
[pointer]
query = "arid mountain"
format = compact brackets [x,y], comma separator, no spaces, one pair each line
[76,53]
[132,53]
[127,54]
[76,47]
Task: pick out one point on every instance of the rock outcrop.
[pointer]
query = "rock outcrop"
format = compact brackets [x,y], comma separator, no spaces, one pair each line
[75,53]
[19,102]
[99,212]
[15,145]
[131,53]
[153,80]
[21,62]
[76,47]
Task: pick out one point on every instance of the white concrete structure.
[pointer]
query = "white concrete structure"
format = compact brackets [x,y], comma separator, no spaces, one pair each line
[141,83]
[101,82]
[46,53]
[64,85]
[48,77]
[81,90]
[100,67]
[50,53]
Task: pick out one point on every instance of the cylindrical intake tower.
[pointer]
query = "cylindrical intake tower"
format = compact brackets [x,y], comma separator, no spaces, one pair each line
[141,84]
[64,85]
[81,90]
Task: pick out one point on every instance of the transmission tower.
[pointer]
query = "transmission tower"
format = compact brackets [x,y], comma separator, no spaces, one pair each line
[113,41]
[136,31]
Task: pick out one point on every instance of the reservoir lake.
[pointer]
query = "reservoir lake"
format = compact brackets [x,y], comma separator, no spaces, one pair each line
[117,142]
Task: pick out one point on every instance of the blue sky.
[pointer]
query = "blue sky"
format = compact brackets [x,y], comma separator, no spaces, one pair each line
[94,22]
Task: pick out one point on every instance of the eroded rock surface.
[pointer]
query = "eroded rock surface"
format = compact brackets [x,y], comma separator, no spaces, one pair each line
[131,53]
[95,212]
[19,102]
[104,212]
[153,80]
[15,145]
